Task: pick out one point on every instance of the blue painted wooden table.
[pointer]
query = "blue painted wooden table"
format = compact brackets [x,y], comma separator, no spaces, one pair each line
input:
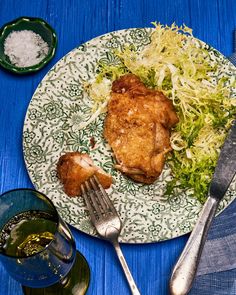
[75,22]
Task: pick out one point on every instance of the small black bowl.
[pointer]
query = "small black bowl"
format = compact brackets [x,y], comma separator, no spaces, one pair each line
[37,25]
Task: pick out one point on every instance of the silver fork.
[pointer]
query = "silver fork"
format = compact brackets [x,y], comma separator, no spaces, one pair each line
[106,221]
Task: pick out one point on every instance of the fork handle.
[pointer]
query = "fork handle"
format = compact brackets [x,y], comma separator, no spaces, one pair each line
[132,285]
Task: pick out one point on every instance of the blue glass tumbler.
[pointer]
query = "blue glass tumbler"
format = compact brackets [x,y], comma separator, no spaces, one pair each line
[55,260]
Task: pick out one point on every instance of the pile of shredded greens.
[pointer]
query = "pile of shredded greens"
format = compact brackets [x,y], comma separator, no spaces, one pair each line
[176,63]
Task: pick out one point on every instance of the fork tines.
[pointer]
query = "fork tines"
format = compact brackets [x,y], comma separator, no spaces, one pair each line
[96,198]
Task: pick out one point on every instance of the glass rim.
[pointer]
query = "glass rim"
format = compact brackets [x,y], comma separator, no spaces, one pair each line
[57,221]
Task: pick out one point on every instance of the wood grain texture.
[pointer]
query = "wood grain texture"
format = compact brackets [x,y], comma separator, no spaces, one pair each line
[75,22]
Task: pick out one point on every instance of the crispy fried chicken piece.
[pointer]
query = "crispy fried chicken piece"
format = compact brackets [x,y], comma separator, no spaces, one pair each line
[75,168]
[137,127]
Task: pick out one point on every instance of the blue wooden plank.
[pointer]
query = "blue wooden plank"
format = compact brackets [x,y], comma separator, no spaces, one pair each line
[76,22]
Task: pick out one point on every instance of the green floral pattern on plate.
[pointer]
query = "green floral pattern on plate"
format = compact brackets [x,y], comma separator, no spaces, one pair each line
[51,128]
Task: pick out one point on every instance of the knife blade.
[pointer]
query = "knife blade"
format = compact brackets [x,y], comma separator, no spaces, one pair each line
[226,166]
[186,267]
[232,57]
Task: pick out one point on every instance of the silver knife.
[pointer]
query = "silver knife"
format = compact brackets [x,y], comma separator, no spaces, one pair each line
[186,267]
[232,57]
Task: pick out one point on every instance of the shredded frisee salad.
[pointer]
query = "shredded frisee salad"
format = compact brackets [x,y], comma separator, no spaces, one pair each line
[176,63]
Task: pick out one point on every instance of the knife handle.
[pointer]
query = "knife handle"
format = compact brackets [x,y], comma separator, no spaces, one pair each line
[186,267]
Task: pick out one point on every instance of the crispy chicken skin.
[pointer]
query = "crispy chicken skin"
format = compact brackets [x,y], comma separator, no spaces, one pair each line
[75,168]
[137,127]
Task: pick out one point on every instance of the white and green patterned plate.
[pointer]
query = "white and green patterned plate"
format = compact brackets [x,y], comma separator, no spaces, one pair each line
[57,108]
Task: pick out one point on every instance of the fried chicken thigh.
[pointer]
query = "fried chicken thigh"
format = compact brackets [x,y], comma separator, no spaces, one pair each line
[75,168]
[137,127]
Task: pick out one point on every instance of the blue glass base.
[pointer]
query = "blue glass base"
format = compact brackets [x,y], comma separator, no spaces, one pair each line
[76,282]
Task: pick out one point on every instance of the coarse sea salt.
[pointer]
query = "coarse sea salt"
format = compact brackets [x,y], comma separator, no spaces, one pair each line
[25,48]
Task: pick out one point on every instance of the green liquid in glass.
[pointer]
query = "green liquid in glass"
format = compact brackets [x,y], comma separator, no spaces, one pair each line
[27,233]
